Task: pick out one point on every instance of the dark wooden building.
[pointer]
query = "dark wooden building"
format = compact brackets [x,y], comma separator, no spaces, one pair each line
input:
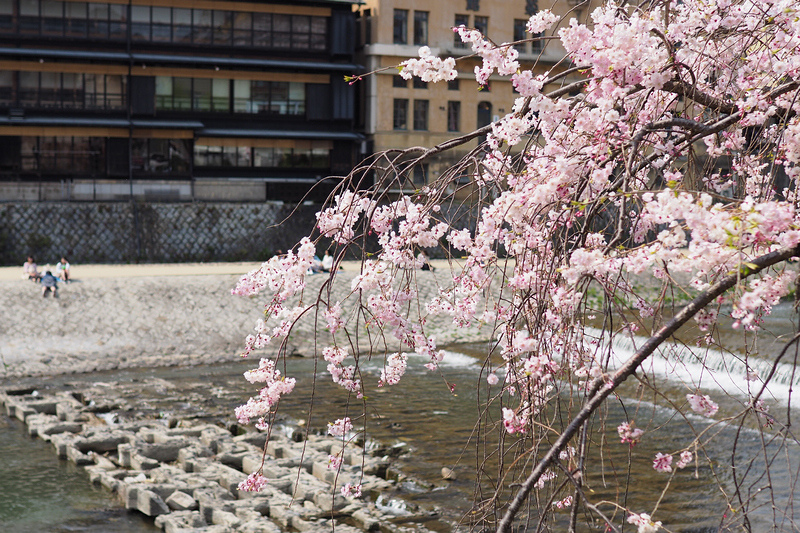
[175,99]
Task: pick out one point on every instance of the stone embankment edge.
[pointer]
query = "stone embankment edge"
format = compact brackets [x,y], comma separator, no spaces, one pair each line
[186,474]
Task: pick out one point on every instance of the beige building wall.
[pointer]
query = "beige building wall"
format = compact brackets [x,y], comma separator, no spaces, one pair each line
[381,54]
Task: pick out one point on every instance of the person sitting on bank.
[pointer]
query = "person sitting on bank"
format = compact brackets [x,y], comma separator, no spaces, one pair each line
[327,262]
[425,263]
[30,270]
[62,270]
[49,284]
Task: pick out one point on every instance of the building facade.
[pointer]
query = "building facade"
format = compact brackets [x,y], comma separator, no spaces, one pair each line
[176,99]
[400,113]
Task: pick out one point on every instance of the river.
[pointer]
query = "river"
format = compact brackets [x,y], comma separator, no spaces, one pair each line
[435,428]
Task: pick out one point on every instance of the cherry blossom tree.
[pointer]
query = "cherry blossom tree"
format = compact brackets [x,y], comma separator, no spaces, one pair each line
[643,188]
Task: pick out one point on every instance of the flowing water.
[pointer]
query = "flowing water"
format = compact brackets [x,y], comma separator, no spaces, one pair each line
[435,428]
[39,493]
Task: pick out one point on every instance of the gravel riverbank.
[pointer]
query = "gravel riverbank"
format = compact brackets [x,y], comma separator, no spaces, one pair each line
[152,315]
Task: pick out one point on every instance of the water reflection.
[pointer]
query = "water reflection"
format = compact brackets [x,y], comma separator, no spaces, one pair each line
[39,492]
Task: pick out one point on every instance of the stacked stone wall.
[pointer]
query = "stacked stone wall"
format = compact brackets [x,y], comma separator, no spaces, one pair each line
[149,232]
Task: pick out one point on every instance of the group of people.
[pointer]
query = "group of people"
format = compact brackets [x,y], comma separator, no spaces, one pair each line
[321,265]
[48,281]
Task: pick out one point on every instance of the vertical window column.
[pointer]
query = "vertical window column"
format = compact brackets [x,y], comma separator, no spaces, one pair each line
[400,26]
[400,114]
[421,28]
[420,115]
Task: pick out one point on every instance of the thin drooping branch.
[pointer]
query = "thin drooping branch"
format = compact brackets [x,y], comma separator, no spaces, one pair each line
[603,386]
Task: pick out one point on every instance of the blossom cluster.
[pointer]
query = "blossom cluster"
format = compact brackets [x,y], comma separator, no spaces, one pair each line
[429,68]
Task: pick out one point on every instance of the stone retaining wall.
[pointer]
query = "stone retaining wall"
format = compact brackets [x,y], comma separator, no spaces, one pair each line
[185,473]
[149,233]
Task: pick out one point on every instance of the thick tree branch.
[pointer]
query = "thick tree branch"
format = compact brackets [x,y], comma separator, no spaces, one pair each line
[603,386]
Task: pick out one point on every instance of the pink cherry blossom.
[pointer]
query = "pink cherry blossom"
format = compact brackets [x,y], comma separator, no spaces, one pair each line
[703,405]
[662,463]
[254,483]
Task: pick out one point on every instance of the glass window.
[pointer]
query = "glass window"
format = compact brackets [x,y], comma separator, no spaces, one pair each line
[29,21]
[279,98]
[221,95]
[460,20]
[453,116]
[71,90]
[400,26]
[163,92]
[420,115]
[91,97]
[319,33]
[202,20]
[259,91]
[262,30]
[49,87]
[52,17]
[519,34]
[6,15]
[281,31]
[400,114]
[6,87]
[420,172]
[473,5]
[421,28]
[419,84]
[297,98]
[30,153]
[482,24]
[301,32]
[264,157]
[162,24]
[453,85]
[116,89]
[182,93]
[241,97]
[140,23]
[202,94]
[28,88]
[76,18]
[98,21]
[223,21]
[399,81]
[242,29]
[243,156]
[117,21]
[181,25]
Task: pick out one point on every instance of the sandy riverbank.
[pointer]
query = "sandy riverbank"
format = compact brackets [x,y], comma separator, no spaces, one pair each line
[119,316]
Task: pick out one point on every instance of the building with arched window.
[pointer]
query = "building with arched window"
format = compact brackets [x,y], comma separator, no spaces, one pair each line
[405,113]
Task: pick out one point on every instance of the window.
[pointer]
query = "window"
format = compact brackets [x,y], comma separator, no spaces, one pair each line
[315,154]
[531,7]
[400,26]
[473,5]
[453,85]
[420,115]
[519,35]
[399,81]
[400,114]
[421,28]
[482,24]
[453,116]
[419,84]
[420,172]
[460,20]
[160,156]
